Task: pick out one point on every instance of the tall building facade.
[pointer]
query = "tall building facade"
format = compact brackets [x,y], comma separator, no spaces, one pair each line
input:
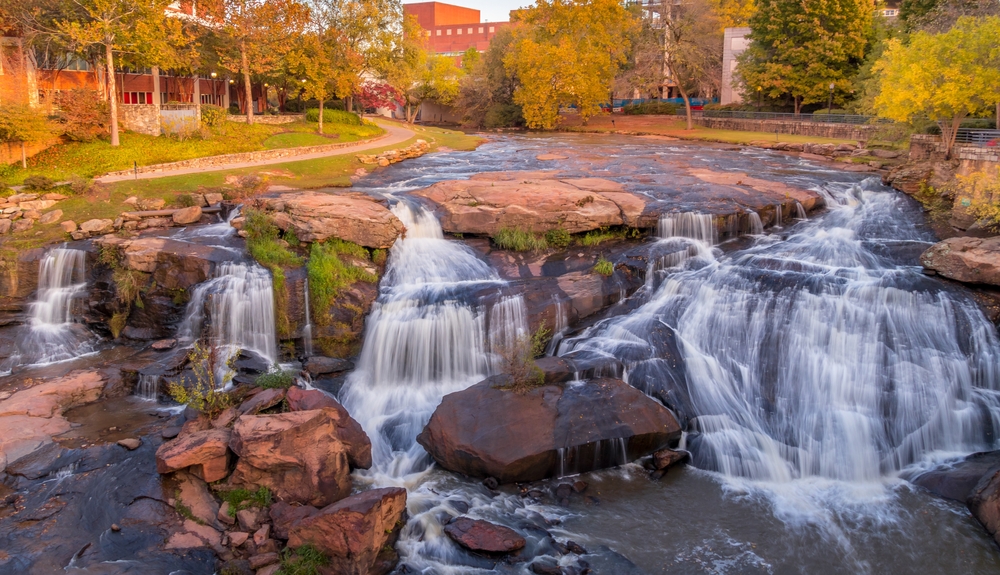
[450,29]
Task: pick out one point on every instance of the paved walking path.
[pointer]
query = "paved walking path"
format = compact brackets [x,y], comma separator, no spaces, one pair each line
[396,134]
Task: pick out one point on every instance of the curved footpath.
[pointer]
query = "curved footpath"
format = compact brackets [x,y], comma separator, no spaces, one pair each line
[396,134]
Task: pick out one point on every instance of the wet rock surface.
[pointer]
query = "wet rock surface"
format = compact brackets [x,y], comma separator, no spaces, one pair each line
[487,431]
[958,480]
[965,259]
[483,536]
[353,217]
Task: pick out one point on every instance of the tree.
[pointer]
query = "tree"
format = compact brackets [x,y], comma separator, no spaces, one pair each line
[944,77]
[692,47]
[122,27]
[377,94]
[488,84]
[325,66]
[20,124]
[408,68]
[799,49]
[567,52]
[733,13]
[941,15]
[255,36]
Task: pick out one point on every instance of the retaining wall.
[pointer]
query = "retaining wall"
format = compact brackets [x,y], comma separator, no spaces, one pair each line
[264,119]
[140,118]
[860,132]
[972,158]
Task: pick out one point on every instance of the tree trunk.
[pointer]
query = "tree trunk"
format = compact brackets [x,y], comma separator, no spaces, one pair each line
[24,157]
[687,106]
[998,115]
[245,69]
[798,104]
[112,91]
[320,115]
[949,131]
[349,103]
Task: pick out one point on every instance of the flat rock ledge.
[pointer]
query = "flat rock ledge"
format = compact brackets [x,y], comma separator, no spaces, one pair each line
[551,430]
[965,259]
[349,216]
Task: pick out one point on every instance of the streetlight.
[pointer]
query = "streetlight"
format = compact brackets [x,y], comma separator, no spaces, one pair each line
[758,98]
[829,107]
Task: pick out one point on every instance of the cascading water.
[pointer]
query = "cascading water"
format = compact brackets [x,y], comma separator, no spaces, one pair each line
[777,215]
[307,331]
[754,225]
[814,357]
[688,225]
[800,212]
[148,387]
[240,303]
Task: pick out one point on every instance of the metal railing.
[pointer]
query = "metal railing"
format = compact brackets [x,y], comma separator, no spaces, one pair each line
[818,118]
[978,138]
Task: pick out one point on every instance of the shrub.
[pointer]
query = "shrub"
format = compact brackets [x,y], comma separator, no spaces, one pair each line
[80,186]
[213,115]
[518,240]
[558,238]
[651,108]
[333,117]
[248,187]
[329,274]
[604,267]
[186,200]
[305,560]
[240,499]
[83,116]
[980,193]
[39,183]
[205,394]
[503,116]
[517,360]
[276,378]
[601,235]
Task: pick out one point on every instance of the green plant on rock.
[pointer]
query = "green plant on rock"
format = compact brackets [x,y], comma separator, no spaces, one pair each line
[516,360]
[305,560]
[206,393]
[241,498]
[329,273]
[271,252]
[275,378]
[606,234]
[604,267]
[117,323]
[558,238]
[518,240]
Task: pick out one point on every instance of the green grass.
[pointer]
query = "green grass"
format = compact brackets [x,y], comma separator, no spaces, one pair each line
[305,560]
[265,246]
[518,240]
[599,236]
[275,379]
[240,499]
[329,274]
[604,267]
[298,140]
[558,238]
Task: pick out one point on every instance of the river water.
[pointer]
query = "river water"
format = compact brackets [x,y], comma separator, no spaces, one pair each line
[818,364]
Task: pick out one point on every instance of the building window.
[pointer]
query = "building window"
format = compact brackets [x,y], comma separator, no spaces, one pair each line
[480,29]
[448,32]
[470,30]
[137,97]
[492,29]
[438,32]
[459,32]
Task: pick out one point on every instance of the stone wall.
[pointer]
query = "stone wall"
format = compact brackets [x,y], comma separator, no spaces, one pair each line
[860,132]
[283,119]
[140,118]
[245,157]
[927,147]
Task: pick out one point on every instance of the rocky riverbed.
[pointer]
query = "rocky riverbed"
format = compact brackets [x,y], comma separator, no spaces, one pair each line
[709,305]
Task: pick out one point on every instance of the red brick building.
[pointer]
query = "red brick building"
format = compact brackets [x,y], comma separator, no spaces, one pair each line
[450,29]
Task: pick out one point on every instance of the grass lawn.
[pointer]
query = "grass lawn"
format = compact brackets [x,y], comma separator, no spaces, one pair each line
[89,159]
[677,128]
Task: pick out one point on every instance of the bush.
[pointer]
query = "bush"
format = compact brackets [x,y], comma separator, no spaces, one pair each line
[651,108]
[604,267]
[205,393]
[601,235]
[517,360]
[79,185]
[276,378]
[213,115]
[328,274]
[39,183]
[83,116]
[558,238]
[518,240]
[333,117]
[240,499]
[305,560]
[503,116]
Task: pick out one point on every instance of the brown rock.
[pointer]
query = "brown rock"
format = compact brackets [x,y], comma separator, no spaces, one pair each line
[965,259]
[174,264]
[68,226]
[223,515]
[261,401]
[269,570]
[349,431]
[484,431]
[53,196]
[354,217]
[50,217]
[297,455]
[666,458]
[193,494]
[249,519]
[351,532]
[483,536]
[164,344]
[37,204]
[263,560]
[237,538]
[213,198]
[187,216]
[984,502]
[262,534]
[225,418]
[205,452]
[97,226]
[130,443]
[284,515]
[150,203]
[5,226]
[22,225]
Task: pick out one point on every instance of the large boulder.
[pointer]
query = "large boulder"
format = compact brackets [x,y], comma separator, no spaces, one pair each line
[205,453]
[489,431]
[965,259]
[301,456]
[531,201]
[174,264]
[984,502]
[352,532]
[957,480]
[483,536]
[353,217]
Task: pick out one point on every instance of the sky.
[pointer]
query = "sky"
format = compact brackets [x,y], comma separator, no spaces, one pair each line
[489,10]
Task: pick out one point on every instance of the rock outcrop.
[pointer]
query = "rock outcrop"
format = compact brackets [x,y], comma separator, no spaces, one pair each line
[301,456]
[204,452]
[483,536]
[174,264]
[965,259]
[488,431]
[350,216]
[353,531]
[984,502]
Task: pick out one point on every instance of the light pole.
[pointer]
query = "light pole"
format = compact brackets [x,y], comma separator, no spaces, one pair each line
[829,107]
[215,94]
[758,98]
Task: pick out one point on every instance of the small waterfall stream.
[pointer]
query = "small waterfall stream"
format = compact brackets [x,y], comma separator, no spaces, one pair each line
[756,228]
[307,329]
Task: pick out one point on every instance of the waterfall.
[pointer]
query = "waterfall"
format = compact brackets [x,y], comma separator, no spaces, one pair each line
[240,302]
[814,357]
[688,225]
[600,454]
[777,215]
[754,224]
[507,323]
[425,337]
[61,279]
[307,330]
[562,325]
[800,212]
[148,387]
